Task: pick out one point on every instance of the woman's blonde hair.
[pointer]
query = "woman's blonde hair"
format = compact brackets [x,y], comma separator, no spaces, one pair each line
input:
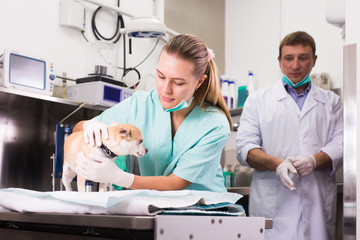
[192,48]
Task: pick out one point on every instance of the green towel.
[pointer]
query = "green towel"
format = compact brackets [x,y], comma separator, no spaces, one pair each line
[218,209]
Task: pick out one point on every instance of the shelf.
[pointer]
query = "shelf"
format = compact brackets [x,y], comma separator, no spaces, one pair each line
[50,98]
[236,111]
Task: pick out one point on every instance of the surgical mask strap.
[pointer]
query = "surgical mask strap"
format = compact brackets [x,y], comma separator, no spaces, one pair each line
[193,89]
[183,104]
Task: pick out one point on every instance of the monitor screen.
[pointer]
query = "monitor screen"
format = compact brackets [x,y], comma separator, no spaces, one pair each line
[112,94]
[27,71]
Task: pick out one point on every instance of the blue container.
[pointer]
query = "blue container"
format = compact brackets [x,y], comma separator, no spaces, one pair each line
[242,95]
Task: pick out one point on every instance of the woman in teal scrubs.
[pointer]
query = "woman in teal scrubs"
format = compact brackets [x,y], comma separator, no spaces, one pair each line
[184,121]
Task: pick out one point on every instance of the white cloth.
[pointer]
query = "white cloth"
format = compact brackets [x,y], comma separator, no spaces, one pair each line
[272,121]
[128,202]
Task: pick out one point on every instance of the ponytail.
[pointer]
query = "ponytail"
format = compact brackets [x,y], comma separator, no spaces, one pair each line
[210,93]
[192,48]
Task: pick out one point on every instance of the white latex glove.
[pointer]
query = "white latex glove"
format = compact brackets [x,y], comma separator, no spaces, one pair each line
[93,129]
[282,172]
[102,170]
[304,165]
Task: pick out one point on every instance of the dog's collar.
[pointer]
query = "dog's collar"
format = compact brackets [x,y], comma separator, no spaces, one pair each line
[107,152]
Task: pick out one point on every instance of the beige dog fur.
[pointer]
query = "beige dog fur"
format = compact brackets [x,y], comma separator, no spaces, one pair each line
[123,139]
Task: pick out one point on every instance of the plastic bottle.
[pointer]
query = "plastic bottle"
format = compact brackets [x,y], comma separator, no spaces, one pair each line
[221,78]
[232,95]
[235,176]
[88,186]
[242,95]
[225,91]
[227,176]
[250,83]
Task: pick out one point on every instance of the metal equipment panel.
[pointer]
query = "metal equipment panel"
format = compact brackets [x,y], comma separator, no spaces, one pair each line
[177,227]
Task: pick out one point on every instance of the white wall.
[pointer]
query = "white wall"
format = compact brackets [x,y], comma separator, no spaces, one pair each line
[204,18]
[253,31]
[255,28]
[33,27]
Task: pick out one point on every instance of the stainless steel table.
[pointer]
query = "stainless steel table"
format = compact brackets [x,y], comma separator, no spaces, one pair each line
[14,225]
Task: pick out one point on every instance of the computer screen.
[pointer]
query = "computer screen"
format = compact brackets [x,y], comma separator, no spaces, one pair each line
[27,71]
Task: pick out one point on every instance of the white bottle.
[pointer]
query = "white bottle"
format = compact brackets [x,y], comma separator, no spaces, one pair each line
[225,91]
[222,78]
[232,94]
[250,84]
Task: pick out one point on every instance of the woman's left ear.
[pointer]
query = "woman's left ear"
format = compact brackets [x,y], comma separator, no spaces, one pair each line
[201,80]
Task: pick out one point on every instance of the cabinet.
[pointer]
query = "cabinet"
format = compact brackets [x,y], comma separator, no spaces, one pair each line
[27,140]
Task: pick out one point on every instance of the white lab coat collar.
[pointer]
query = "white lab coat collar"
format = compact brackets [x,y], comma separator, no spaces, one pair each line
[314,97]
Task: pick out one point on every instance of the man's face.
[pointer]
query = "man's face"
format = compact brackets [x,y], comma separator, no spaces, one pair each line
[296,62]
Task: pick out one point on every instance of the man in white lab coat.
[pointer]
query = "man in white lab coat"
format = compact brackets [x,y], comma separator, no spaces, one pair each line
[292,135]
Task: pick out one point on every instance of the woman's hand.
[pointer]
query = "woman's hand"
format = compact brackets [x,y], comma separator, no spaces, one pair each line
[93,129]
[103,170]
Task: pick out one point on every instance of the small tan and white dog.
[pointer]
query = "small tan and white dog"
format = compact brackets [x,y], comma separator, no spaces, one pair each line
[123,139]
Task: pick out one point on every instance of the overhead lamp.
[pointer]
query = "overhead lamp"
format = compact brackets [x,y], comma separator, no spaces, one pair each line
[145,27]
[139,27]
[135,27]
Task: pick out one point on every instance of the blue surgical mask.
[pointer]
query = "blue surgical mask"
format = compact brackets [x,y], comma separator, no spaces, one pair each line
[183,104]
[302,82]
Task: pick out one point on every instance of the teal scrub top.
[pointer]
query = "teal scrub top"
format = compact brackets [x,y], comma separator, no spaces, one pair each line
[195,151]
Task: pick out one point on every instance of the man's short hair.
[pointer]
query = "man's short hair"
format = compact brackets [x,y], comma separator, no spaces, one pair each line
[296,38]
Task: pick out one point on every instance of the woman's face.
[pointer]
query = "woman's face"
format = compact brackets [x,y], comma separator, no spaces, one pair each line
[175,80]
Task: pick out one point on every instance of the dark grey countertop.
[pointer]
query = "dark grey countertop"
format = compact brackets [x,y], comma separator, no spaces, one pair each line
[90,220]
[241,190]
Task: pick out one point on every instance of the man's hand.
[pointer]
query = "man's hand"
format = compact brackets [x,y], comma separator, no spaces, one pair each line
[304,165]
[282,172]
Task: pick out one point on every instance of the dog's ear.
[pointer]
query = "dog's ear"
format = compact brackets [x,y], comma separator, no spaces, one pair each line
[125,132]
